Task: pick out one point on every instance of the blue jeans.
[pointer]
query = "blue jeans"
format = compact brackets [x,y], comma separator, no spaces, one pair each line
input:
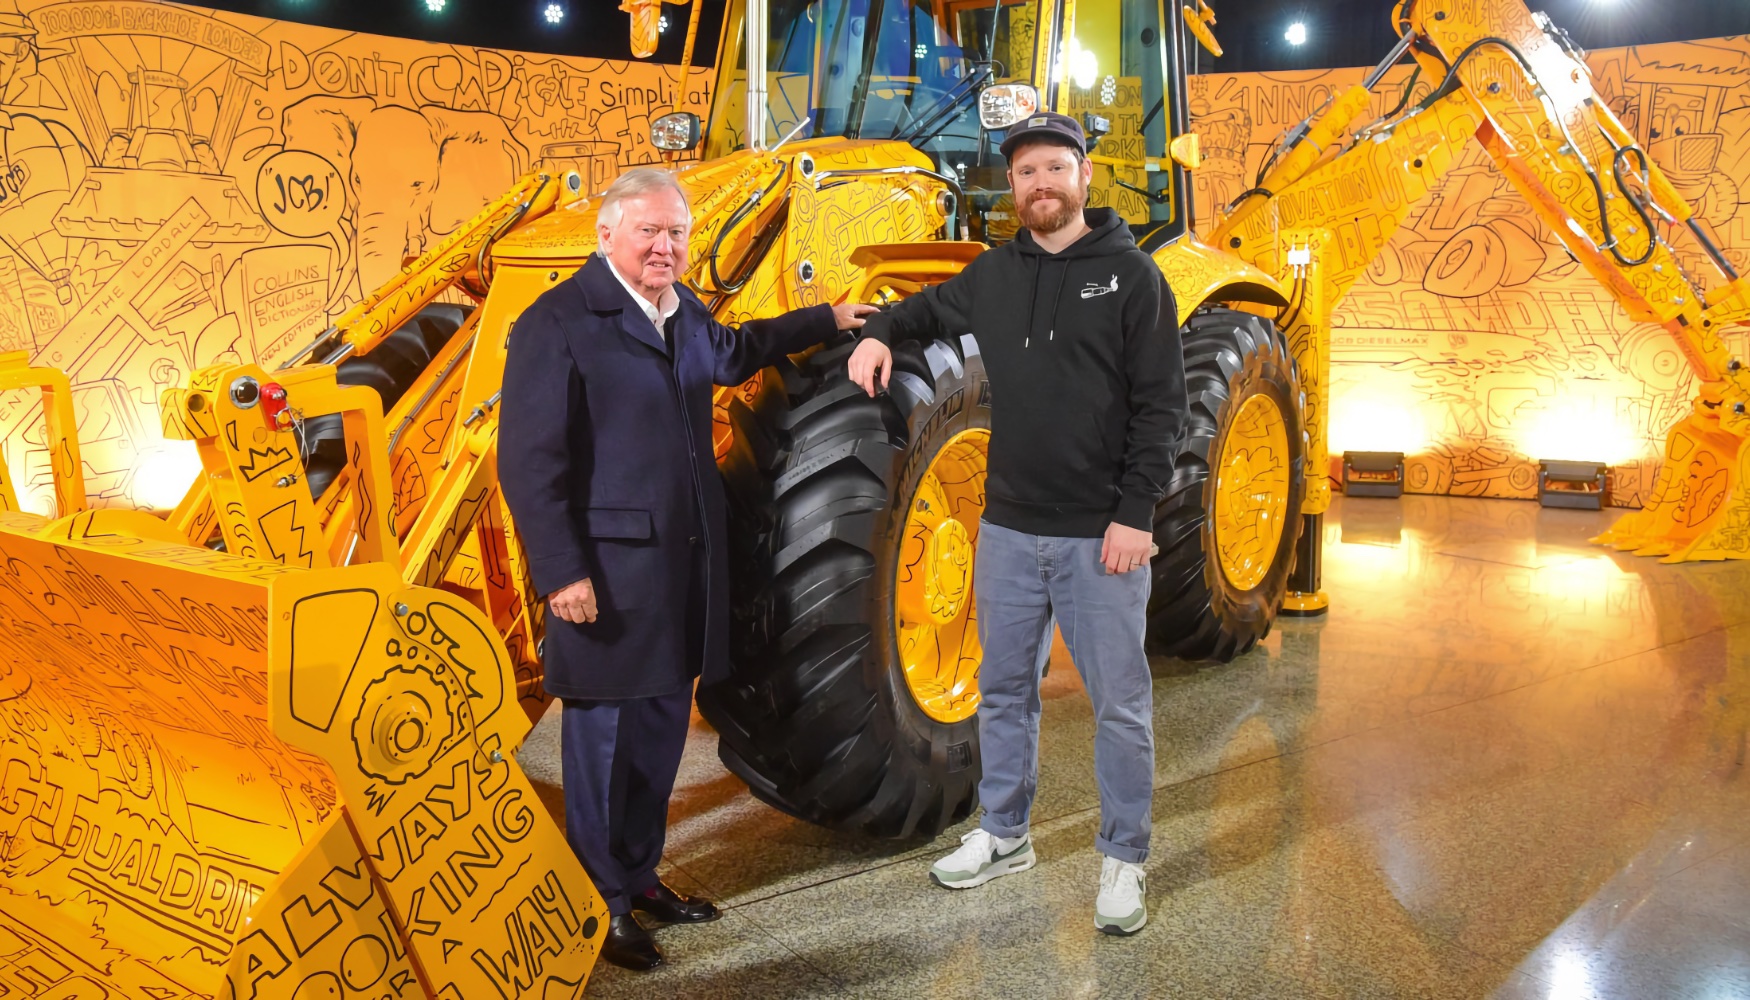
[1022,582]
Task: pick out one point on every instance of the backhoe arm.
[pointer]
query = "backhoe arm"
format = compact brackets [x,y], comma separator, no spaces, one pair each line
[1515,83]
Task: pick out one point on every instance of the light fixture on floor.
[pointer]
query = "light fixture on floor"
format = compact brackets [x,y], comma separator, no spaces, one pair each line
[1373,473]
[1577,485]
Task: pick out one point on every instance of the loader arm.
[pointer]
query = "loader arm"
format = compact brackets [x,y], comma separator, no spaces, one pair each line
[460,260]
[1516,84]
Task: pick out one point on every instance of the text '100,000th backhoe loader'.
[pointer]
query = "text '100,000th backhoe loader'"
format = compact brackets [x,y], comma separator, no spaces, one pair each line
[263,748]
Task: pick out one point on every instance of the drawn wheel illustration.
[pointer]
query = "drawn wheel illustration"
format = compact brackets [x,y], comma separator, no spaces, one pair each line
[391,369]
[855,648]
[403,726]
[132,750]
[1231,518]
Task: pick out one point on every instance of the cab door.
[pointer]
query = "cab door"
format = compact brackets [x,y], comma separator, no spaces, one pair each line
[1120,67]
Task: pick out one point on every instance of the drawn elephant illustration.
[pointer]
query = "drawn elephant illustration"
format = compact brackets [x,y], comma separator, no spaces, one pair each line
[411,176]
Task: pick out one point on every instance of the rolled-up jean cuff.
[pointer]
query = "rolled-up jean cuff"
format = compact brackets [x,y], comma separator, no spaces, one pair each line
[1131,855]
[996,829]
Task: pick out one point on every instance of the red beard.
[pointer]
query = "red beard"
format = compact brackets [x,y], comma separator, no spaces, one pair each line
[1050,220]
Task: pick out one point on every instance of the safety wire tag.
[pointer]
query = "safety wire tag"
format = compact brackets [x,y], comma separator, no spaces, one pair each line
[294,421]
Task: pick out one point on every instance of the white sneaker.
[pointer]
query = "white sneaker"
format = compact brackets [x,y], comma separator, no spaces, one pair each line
[1122,906]
[978,861]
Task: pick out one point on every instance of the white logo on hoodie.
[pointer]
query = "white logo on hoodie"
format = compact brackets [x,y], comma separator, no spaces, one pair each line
[1096,290]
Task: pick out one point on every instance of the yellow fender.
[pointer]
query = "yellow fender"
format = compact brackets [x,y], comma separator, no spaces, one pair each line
[907,268]
[1199,273]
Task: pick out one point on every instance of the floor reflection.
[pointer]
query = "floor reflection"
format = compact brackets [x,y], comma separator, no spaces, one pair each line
[1507,763]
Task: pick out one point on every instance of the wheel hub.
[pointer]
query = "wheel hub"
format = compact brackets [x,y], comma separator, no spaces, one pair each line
[935,614]
[1251,493]
[947,572]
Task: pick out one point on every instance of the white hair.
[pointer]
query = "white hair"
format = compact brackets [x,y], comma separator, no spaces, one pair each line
[636,183]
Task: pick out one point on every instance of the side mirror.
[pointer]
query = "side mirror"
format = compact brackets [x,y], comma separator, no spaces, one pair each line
[675,133]
[1004,104]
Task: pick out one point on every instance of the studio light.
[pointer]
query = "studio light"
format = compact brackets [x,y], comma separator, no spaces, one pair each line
[554,13]
[435,6]
[662,24]
[1296,33]
[1080,66]
[163,476]
[1578,485]
[1373,473]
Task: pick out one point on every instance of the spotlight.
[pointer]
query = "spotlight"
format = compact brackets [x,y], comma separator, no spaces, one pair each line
[1373,473]
[435,6]
[554,13]
[662,24]
[1580,485]
[1296,33]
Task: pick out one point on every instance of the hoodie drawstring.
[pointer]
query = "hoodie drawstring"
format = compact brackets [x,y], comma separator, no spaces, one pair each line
[1056,300]
[1027,334]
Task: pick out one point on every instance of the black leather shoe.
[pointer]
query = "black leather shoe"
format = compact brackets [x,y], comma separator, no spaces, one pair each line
[629,946]
[666,906]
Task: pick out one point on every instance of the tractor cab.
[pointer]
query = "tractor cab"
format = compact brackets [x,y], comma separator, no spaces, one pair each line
[948,77]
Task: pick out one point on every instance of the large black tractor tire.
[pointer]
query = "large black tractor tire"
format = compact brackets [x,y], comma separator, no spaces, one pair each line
[817,716]
[1195,611]
[391,368]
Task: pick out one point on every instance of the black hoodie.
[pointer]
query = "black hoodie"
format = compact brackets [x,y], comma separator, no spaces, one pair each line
[1086,372]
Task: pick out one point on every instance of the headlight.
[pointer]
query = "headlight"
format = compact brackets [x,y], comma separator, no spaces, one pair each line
[675,133]
[1005,104]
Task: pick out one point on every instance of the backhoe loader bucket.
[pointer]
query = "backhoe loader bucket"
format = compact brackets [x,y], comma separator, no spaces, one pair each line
[234,776]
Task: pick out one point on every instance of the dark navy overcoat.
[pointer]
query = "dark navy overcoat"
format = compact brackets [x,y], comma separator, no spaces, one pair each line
[605,457]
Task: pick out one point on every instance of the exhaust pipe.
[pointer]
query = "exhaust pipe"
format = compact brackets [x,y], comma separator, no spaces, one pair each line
[756,74]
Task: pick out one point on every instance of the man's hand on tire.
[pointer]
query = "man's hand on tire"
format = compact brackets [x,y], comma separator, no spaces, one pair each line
[849,315]
[574,603]
[869,362]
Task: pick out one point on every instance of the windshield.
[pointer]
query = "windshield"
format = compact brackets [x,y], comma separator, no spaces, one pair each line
[910,70]
[877,69]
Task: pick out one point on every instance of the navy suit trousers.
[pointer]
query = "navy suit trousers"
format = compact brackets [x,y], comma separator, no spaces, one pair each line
[620,763]
[620,757]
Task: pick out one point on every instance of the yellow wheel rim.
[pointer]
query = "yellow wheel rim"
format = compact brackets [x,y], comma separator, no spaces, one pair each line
[1251,492]
[934,616]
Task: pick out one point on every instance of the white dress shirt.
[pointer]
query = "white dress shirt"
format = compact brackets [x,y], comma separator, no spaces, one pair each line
[658,313]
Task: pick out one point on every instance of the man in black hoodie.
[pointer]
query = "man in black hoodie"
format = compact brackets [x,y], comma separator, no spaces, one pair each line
[1080,335]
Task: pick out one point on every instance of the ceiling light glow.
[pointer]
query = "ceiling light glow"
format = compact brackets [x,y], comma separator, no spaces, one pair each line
[554,13]
[435,6]
[1296,33]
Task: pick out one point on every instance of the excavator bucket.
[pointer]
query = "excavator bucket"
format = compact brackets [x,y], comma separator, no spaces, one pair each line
[1700,507]
[235,776]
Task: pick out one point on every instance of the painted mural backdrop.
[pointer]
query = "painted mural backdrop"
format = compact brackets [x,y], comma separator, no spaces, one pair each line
[1475,344]
[181,187]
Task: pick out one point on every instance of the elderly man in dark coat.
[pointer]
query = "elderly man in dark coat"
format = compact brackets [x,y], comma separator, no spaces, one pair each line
[606,461]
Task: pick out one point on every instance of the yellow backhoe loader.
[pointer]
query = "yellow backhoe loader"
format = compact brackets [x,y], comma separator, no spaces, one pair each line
[263,748]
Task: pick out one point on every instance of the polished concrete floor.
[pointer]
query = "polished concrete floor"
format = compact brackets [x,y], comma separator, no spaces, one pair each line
[1507,764]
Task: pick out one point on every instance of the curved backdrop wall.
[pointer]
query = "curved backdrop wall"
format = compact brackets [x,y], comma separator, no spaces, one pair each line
[180,187]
